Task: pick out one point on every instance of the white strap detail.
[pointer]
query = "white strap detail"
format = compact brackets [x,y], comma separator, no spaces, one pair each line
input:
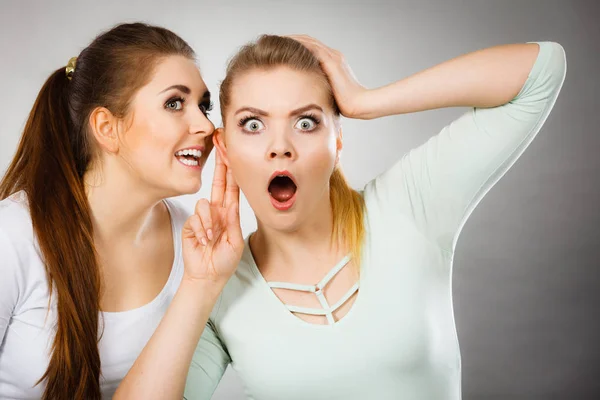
[325,311]
[317,289]
[293,286]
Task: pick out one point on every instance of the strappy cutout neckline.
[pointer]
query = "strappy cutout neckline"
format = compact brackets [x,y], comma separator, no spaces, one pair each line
[326,310]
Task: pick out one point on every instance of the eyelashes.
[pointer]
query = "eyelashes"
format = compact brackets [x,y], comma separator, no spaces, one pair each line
[247,119]
[311,117]
[251,124]
[176,103]
[244,123]
[206,107]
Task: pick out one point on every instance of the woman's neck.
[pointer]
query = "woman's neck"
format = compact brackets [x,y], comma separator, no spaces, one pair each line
[122,210]
[308,247]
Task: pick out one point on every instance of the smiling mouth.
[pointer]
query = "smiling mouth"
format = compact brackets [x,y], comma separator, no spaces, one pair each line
[189,157]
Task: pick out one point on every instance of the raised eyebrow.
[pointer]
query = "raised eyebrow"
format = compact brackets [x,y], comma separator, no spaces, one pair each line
[304,109]
[252,110]
[295,112]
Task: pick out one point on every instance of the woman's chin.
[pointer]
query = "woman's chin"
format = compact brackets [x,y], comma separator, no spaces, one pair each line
[282,222]
[186,188]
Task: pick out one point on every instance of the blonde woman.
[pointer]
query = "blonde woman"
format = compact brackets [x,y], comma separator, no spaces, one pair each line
[343,294]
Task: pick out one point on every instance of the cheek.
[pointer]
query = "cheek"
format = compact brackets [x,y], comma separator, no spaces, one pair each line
[246,167]
[320,157]
[151,140]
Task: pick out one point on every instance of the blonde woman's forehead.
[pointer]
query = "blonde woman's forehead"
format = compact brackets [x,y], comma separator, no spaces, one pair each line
[278,90]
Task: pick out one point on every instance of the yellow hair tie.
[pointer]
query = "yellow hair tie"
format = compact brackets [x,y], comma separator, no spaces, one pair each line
[71,67]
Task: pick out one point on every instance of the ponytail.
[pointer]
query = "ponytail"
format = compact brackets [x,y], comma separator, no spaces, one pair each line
[51,160]
[348,212]
[44,167]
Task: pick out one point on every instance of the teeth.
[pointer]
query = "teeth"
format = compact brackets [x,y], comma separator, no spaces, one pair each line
[189,152]
[191,163]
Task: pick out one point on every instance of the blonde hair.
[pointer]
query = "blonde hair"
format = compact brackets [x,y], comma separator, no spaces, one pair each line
[271,51]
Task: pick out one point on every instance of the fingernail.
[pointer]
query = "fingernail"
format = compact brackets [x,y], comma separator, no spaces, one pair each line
[209,234]
[204,241]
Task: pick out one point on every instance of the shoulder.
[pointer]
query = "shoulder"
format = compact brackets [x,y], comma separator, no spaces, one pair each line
[242,290]
[178,212]
[15,219]
[21,264]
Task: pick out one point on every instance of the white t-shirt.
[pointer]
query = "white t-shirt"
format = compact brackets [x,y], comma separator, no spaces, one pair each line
[399,340]
[27,324]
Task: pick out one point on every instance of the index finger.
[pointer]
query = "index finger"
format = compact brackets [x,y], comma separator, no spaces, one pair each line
[217,193]
[232,192]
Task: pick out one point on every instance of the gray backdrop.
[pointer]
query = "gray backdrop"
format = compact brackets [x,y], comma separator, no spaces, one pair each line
[526,271]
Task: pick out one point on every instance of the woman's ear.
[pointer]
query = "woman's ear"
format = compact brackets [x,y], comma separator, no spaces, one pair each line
[339,145]
[105,130]
[219,142]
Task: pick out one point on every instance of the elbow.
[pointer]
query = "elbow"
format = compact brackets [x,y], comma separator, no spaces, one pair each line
[556,64]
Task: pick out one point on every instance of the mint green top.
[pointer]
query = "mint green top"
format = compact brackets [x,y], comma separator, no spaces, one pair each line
[399,340]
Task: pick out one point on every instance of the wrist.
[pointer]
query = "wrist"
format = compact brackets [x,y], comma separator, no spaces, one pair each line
[204,289]
[368,105]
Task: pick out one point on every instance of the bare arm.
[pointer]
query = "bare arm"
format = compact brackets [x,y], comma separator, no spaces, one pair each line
[161,369]
[212,247]
[511,90]
[483,78]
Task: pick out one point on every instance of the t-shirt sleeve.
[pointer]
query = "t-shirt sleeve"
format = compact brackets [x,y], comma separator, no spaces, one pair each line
[208,365]
[440,183]
[9,282]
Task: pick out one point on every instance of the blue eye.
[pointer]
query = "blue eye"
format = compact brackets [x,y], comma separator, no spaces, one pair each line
[251,125]
[307,123]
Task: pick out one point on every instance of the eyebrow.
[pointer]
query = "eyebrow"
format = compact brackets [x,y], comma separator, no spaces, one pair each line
[186,90]
[292,113]
[181,88]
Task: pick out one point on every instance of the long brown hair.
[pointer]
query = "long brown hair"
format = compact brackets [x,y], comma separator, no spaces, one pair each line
[271,51]
[55,151]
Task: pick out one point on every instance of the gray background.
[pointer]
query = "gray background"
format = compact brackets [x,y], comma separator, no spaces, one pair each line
[526,283]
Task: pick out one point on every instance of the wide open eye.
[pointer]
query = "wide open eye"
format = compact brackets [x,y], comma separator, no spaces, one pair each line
[252,125]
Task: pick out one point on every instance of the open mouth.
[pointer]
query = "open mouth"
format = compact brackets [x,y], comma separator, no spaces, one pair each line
[189,157]
[282,190]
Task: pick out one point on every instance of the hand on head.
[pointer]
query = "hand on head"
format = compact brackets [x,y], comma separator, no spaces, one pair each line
[350,95]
